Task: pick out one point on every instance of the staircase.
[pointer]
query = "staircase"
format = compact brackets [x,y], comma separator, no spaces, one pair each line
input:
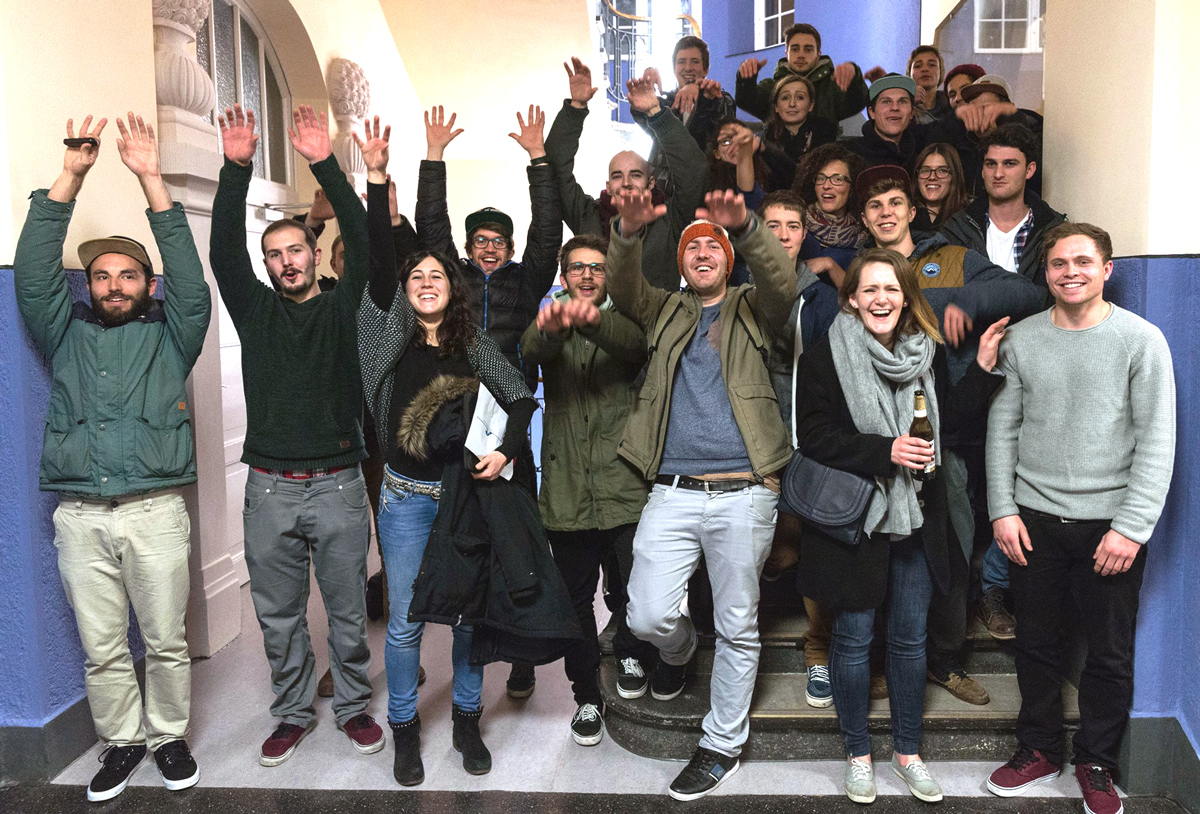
[784,727]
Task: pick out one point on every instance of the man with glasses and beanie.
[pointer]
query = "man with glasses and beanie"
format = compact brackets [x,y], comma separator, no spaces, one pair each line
[118,447]
[508,292]
[591,498]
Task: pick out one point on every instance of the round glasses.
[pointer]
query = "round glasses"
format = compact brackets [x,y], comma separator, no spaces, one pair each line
[577,269]
[499,242]
[933,172]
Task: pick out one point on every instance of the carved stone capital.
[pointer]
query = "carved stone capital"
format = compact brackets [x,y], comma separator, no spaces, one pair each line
[349,90]
[190,14]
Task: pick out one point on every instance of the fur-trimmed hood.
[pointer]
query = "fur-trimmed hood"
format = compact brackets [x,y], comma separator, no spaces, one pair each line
[411,436]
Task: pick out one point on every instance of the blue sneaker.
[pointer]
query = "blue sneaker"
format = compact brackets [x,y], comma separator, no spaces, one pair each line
[819,691]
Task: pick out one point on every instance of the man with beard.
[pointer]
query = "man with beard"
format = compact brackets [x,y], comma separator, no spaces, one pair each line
[118,449]
[305,493]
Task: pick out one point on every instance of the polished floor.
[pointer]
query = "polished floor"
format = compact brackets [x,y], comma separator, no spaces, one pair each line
[536,765]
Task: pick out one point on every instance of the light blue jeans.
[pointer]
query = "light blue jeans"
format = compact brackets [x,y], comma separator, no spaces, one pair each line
[404,523]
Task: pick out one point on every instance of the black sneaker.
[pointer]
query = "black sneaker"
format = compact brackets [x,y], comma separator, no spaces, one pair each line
[705,771]
[176,765]
[521,680]
[587,725]
[668,681]
[119,763]
[631,678]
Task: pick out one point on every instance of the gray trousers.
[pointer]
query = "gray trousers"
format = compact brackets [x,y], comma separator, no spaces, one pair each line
[734,531]
[287,523]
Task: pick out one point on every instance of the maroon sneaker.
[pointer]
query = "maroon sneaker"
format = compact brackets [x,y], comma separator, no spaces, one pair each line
[1024,770]
[279,747]
[364,733]
[1099,796]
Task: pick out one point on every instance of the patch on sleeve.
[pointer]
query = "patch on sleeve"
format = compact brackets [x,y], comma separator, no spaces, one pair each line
[183,405]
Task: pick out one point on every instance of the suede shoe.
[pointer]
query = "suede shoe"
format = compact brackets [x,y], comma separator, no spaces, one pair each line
[119,763]
[364,733]
[961,686]
[1024,770]
[1099,796]
[995,615]
[859,783]
[521,680]
[669,681]
[466,739]
[282,743]
[916,776]
[705,771]
[587,725]
[818,692]
[176,765]
[631,678]
[407,767]
[878,688]
[325,685]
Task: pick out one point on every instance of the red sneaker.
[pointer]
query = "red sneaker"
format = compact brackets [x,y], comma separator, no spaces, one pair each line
[1099,796]
[279,747]
[1024,770]
[364,733]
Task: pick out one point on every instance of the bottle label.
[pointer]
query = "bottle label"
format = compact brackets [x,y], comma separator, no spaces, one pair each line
[932,464]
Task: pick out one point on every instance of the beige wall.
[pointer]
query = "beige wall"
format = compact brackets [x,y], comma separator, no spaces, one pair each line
[1175,143]
[933,12]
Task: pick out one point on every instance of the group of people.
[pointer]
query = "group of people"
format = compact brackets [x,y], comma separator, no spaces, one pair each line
[828,287]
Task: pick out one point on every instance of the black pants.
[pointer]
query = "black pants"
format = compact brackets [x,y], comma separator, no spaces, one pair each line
[947,624]
[1059,580]
[578,555]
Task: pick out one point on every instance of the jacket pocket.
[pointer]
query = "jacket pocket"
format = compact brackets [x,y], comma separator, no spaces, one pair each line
[66,453]
[163,451]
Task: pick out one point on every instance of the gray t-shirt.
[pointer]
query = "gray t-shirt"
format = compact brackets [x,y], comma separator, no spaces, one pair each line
[1084,425]
[702,434]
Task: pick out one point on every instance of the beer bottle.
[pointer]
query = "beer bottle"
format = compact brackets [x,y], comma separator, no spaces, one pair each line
[921,428]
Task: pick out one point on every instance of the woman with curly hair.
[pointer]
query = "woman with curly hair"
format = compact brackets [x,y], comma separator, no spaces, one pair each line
[825,182]
[941,188]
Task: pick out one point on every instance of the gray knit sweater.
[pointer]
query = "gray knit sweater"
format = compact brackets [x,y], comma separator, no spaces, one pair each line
[1084,424]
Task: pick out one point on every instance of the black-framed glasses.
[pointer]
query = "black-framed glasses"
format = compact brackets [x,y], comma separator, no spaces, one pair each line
[577,269]
[837,179]
[933,172]
[499,242]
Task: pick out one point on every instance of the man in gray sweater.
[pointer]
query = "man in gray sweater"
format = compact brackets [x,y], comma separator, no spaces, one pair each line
[1074,493]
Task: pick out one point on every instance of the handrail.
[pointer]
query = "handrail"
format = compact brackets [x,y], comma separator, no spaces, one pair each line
[690,19]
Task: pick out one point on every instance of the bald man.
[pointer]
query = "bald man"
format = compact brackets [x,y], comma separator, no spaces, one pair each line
[629,172]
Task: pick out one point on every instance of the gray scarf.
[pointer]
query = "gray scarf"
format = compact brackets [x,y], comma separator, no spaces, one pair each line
[879,410]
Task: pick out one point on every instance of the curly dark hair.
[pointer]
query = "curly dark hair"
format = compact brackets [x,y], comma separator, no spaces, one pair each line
[456,334]
[813,162]
[722,175]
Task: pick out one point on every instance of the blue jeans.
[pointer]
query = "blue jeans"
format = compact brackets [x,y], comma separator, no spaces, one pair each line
[995,569]
[910,588]
[404,523]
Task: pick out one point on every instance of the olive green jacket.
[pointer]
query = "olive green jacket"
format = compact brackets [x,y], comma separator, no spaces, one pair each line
[752,316]
[588,378]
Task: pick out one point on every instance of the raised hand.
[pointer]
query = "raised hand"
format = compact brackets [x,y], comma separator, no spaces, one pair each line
[374,148]
[137,147]
[79,160]
[685,98]
[310,134]
[439,132]
[320,211]
[580,78]
[750,67]
[655,78]
[989,345]
[637,209]
[551,319]
[726,208]
[238,139]
[530,136]
[875,73]
[843,75]
[711,88]
[641,96]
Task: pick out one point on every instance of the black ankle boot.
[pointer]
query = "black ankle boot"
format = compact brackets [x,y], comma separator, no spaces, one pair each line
[476,757]
[406,737]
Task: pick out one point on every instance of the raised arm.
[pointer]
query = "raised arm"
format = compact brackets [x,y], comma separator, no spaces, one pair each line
[432,215]
[545,226]
[753,96]
[687,167]
[632,295]
[579,209]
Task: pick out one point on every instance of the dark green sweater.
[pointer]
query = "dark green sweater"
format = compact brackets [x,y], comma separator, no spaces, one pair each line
[299,360]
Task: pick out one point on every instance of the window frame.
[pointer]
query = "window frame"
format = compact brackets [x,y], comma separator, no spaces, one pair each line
[1033,28]
[760,20]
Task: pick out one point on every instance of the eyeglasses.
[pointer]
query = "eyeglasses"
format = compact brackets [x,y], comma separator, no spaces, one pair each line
[725,142]
[577,269]
[837,180]
[499,242]
[933,172]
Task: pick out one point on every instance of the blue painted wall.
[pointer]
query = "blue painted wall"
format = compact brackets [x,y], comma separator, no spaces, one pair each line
[868,32]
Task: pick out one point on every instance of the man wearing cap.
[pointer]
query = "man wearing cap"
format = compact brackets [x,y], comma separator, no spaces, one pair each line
[118,447]
[629,172]
[305,494]
[958,78]
[925,68]
[707,432]
[991,92]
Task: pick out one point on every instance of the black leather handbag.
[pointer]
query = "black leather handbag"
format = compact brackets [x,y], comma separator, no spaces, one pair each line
[831,500]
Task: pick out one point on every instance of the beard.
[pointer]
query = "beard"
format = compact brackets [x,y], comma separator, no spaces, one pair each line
[111,318]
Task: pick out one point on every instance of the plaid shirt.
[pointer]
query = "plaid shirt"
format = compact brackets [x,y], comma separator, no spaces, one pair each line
[300,474]
[1021,238]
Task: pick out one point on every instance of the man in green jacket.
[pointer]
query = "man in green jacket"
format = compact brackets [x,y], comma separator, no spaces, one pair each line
[590,498]
[118,447]
[305,494]
[707,431]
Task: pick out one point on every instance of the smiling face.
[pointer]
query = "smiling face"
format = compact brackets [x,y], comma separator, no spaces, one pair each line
[291,263]
[833,197]
[428,291]
[878,301]
[933,178]
[1076,273]
[803,52]
[892,113]
[788,226]
[585,277]
[628,172]
[954,89]
[887,216]
[689,66]
[793,104]
[1005,172]
[484,251]
[119,288]
[705,269]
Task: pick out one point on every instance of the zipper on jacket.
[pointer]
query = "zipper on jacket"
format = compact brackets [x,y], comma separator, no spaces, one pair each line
[659,441]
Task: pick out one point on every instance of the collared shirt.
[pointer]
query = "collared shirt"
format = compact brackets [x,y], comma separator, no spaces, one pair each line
[1005,248]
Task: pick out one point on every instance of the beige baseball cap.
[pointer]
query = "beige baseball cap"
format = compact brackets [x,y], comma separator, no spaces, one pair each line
[89,250]
[988,82]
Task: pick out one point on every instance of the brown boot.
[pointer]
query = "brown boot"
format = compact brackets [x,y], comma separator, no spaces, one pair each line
[961,686]
[994,614]
[325,685]
[879,688]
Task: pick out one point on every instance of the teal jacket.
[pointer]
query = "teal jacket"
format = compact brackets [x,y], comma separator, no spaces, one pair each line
[119,421]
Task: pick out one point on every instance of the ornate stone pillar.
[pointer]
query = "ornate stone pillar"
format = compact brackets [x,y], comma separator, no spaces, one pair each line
[185,91]
[350,97]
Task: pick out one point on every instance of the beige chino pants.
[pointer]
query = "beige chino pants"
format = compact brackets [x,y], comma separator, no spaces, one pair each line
[109,556]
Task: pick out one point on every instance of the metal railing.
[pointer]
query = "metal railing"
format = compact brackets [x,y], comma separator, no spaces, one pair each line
[626,36]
